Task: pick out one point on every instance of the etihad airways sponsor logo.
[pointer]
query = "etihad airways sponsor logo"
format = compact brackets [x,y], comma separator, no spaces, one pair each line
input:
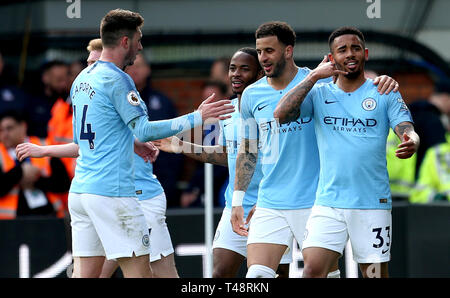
[272,126]
[349,124]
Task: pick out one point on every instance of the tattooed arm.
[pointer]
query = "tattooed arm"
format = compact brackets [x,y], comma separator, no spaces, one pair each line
[208,154]
[245,164]
[288,108]
[245,168]
[410,140]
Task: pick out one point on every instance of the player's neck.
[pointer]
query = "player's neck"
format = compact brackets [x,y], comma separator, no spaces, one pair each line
[281,82]
[112,56]
[350,85]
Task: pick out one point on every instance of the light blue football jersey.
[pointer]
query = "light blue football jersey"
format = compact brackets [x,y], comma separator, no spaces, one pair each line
[351,130]
[230,137]
[288,152]
[146,183]
[104,100]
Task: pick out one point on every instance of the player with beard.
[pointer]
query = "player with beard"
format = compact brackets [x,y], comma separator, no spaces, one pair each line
[229,248]
[288,155]
[352,122]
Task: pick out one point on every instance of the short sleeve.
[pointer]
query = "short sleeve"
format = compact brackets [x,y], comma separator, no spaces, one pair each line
[126,99]
[249,128]
[398,111]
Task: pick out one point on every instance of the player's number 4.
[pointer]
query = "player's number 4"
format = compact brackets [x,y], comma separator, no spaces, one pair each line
[88,134]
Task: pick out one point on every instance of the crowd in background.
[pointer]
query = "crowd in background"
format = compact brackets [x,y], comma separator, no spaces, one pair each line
[40,112]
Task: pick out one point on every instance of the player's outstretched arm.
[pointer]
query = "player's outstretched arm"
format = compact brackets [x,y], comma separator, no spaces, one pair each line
[288,108]
[26,150]
[245,168]
[410,140]
[208,154]
[146,130]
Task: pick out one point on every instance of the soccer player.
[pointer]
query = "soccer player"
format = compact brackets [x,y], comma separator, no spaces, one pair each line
[352,123]
[288,154]
[147,187]
[152,198]
[229,248]
[107,111]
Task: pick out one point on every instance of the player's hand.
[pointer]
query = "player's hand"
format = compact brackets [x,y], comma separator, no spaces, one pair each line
[146,150]
[326,69]
[237,221]
[386,84]
[407,147]
[250,215]
[155,152]
[210,108]
[26,150]
[170,144]
[325,60]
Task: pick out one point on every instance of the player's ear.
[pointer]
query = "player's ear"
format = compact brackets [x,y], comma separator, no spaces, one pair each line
[124,41]
[289,51]
[330,57]
[366,54]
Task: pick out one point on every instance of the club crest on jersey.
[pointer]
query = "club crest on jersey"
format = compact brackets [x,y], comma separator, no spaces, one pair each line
[369,104]
[133,98]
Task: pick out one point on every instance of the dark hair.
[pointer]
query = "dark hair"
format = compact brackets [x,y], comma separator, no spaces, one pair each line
[118,23]
[225,61]
[50,64]
[16,115]
[281,30]
[346,30]
[215,83]
[251,52]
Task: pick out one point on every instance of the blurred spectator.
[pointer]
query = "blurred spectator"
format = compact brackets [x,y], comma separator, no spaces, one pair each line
[191,197]
[167,167]
[433,183]
[11,97]
[427,120]
[31,187]
[54,86]
[219,72]
[75,68]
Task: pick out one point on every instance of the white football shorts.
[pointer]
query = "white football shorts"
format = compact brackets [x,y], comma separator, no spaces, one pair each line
[226,238]
[369,231]
[278,226]
[114,227]
[155,215]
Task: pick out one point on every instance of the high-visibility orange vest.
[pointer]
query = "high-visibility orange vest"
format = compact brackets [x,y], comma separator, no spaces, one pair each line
[59,130]
[9,202]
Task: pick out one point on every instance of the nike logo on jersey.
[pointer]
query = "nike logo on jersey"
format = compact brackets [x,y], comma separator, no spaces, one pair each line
[384,251]
[262,107]
[329,101]
[225,124]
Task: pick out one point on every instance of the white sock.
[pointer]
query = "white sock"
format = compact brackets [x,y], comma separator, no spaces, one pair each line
[260,271]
